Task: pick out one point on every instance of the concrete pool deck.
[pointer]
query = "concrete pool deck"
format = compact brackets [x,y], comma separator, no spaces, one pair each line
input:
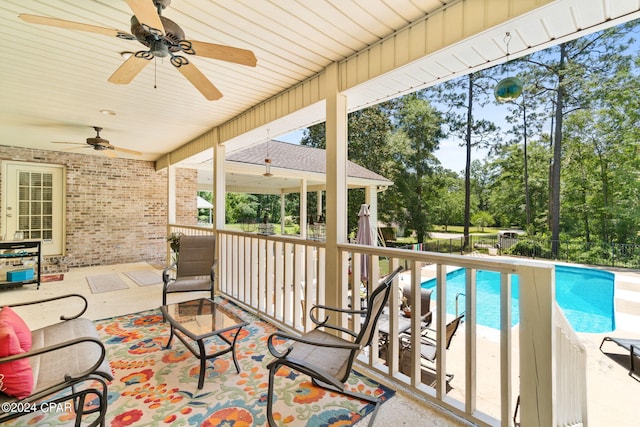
[613,396]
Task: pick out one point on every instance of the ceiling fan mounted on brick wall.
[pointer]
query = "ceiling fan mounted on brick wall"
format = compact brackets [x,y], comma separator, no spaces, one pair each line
[162,37]
[100,144]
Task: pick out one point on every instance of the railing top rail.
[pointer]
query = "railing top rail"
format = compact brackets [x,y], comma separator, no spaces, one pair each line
[275,237]
[192,227]
[511,266]
[563,323]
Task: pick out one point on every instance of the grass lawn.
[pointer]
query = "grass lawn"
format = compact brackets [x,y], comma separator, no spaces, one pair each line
[460,229]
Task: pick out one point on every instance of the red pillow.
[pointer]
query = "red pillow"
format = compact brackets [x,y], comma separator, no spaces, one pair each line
[7,315]
[16,377]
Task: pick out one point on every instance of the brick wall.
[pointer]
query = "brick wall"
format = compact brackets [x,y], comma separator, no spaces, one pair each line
[116,209]
[186,202]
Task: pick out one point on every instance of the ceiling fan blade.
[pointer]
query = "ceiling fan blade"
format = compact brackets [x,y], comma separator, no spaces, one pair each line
[126,150]
[109,153]
[200,81]
[66,142]
[70,25]
[128,70]
[224,53]
[146,13]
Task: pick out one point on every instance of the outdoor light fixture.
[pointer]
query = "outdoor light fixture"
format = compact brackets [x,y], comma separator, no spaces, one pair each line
[267,167]
[510,88]
[267,160]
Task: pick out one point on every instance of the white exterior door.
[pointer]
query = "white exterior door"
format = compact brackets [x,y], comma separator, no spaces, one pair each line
[34,204]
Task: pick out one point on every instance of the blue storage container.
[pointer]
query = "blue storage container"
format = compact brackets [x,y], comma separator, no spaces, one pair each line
[20,275]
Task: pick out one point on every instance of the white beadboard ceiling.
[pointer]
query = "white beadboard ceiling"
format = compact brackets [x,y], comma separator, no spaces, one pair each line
[53,81]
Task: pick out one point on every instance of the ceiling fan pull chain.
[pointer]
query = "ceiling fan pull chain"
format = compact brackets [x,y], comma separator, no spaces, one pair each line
[155,73]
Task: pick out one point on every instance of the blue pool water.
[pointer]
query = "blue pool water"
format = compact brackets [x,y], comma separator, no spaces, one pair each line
[584,294]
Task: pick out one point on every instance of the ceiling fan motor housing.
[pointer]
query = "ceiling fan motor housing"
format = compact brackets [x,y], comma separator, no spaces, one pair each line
[172,34]
[98,143]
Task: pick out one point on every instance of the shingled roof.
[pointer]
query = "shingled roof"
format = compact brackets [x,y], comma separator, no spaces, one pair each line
[296,157]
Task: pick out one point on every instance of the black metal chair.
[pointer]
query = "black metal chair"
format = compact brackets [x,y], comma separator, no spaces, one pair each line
[325,357]
[633,347]
[428,347]
[69,367]
[425,303]
[194,267]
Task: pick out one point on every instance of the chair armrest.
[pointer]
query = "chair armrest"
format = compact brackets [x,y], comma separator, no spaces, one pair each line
[315,320]
[65,344]
[165,273]
[62,317]
[324,323]
[213,270]
[280,335]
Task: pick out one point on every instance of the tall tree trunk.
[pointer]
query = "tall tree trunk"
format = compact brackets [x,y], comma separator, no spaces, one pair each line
[550,172]
[527,202]
[467,169]
[604,177]
[583,199]
[557,157]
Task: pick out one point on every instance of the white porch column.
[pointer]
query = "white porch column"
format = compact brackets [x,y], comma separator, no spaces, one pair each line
[336,134]
[303,208]
[219,190]
[371,199]
[537,341]
[171,194]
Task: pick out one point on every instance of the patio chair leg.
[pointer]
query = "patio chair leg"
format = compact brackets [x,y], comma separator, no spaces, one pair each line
[632,367]
[273,367]
[376,401]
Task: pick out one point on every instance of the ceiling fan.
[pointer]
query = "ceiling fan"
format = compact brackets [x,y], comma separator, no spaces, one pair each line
[162,37]
[101,144]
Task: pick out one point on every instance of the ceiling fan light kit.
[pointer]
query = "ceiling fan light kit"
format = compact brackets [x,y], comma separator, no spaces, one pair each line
[163,38]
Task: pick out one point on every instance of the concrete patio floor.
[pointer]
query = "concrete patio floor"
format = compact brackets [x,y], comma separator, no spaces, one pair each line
[612,394]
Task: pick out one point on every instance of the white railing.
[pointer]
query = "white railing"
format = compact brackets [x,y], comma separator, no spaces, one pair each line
[571,363]
[277,277]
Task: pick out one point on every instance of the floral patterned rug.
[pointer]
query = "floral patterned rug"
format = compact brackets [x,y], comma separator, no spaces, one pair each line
[154,386]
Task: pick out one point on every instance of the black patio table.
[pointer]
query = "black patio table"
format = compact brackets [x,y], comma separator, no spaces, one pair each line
[197,320]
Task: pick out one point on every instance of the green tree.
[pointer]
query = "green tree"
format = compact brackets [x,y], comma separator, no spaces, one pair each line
[367,134]
[482,219]
[507,200]
[460,97]
[420,131]
[449,209]
[481,180]
[240,207]
[601,186]
[562,82]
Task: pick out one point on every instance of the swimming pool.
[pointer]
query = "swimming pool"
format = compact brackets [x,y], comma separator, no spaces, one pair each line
[584,294]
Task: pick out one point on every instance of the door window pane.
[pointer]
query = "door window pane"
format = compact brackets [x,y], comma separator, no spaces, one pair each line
[35,204]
